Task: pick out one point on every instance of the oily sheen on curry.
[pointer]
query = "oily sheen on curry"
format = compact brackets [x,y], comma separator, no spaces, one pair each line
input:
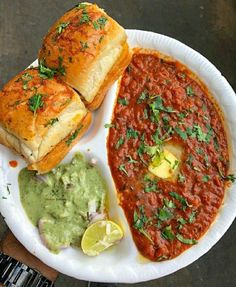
[162,107]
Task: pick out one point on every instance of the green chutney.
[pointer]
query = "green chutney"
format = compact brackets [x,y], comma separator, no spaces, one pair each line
[62,202]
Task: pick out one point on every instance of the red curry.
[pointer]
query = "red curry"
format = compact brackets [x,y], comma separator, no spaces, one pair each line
[161,101]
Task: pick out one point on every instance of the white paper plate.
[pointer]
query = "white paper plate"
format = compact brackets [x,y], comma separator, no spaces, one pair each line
[122,263]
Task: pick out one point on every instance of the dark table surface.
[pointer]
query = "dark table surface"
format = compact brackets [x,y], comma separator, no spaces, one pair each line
[208,26]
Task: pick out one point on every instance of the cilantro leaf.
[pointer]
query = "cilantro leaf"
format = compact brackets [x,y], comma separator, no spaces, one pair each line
[84,46]
[61,27]
[230,177]
[52,121]
[206,178]
[190,241]
[181,133]
[85,18]
[119,142]
[109,126]
[139,222]
[36,102]
[143,96]
[167,233]
[81,6]
[123,101]
[169,203]
[122,168]
[102,22]
[131,160]
[180,198]
[73,136]
[45,72]
[189,91]
[192,217]
[131,133]
[164,214]
[181,178]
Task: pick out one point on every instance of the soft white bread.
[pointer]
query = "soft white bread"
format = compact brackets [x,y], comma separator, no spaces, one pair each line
[37,114]
[88,49]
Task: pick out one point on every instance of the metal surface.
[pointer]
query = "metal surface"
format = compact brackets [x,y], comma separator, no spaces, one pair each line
[207,26]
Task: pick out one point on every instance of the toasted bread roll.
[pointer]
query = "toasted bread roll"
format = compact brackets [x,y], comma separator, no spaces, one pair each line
[38,114]
[88,49]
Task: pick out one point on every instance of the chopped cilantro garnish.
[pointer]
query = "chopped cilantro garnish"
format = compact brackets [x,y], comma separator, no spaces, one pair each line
[36,102]
[61,27]
[145,114]
[140,221]
[131,160]
[230,177]
[176,163]
[95,25]
[109,126]
[85,18]
[169,203]
[216,143]
[81,6]
[185,240]
[189,91]
[164,214]
[151,186]
[122,168]
[131,133]
[61,69]
[181,75]
[201,136]
[156,106]
[153,151]
[206,178]
[181,178]
[73,136]
[52,121]
[182,115]
[165,120]
[119,142]
[45,72]
[192,217]
[190,159]
[167,233]
[200,151]
[26,77]
[123,101]
[101,38]
[156,137]
[102,22]
[181,133]
[84,46]
[180,198]
[143,96]
[182,221]
[141,149]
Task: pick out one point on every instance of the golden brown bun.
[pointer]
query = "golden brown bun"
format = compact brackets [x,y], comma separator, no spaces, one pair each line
[61,149]
[36,114]
[87,47]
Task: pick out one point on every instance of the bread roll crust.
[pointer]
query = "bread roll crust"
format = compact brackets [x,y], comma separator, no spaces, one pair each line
[36,114]
[90,45]
[62,148]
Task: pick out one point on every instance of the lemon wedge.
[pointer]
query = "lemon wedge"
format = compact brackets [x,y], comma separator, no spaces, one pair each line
[99,236]
[164,164]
